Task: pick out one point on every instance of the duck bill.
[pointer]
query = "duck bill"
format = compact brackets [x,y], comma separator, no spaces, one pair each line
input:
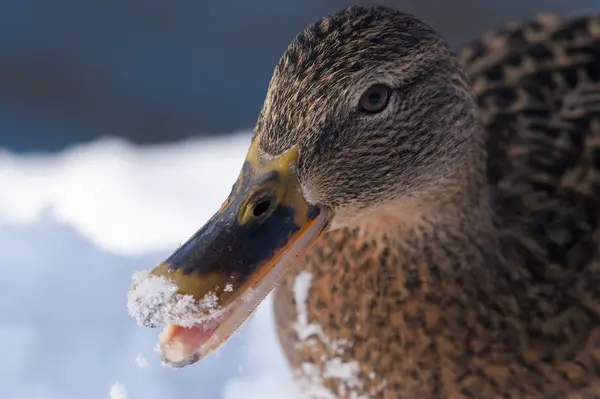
[239,255]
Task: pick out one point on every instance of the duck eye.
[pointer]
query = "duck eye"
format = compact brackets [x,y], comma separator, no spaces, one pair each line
[375,99]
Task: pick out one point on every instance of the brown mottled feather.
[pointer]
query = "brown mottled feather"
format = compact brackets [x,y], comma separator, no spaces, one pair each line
[455,312]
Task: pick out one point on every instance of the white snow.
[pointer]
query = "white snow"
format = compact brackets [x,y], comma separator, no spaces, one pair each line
[141,361]
[73,229]
[307,331]
[154,301]
[118,391]
[303,328]
[124,199]
[310,376]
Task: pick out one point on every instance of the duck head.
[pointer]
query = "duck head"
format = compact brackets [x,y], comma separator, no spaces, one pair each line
[365,107]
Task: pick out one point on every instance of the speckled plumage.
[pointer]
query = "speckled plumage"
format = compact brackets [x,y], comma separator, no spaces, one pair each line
[465,262]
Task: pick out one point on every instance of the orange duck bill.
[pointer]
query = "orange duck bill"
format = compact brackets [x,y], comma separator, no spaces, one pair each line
[207,288]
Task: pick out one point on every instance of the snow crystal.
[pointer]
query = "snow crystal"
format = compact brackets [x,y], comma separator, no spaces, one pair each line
[141,361]
[305,330]
[118,391]
[301,287]
[347,372]
[228,288]
[311,381]
[154,302]
[310,376]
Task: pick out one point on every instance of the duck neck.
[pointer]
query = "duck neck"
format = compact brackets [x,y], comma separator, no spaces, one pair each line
[454,214]
[455,237]
[444,238]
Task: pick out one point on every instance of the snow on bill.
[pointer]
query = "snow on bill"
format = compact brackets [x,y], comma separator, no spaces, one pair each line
[154,301]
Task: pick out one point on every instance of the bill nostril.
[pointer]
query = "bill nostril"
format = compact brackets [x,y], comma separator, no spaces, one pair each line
[261,207]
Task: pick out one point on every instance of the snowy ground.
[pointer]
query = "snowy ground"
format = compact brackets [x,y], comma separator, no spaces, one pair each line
[73,228]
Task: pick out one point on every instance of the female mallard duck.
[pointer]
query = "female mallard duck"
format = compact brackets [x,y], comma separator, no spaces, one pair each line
[457,213]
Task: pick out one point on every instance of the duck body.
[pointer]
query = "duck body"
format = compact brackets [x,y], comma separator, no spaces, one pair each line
[432,219]
[404,304]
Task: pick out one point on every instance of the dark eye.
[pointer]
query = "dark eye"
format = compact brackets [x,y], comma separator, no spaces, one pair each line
[375,99]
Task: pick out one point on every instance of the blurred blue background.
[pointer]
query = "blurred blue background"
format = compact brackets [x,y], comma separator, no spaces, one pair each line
[157,70]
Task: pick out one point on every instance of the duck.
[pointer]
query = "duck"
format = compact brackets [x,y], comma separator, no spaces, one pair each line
[430,219]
